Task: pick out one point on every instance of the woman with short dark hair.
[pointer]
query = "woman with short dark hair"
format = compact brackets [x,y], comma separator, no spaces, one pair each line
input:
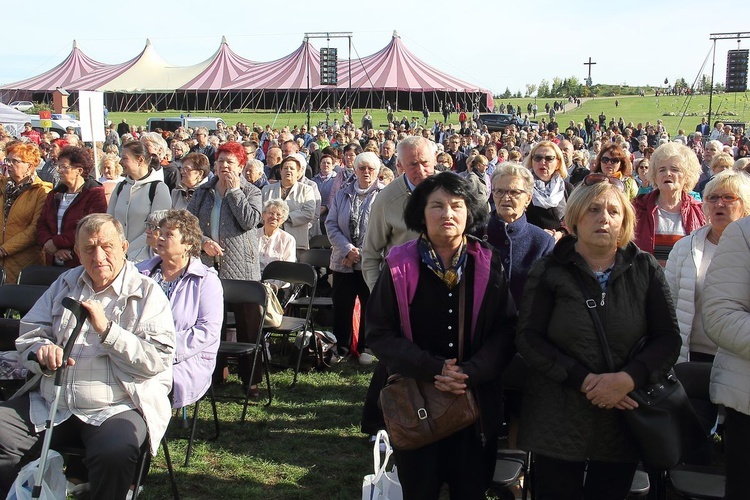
[413,327]
[76,195]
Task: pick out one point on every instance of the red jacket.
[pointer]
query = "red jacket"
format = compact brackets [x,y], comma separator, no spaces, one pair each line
[90,200]
[646,214]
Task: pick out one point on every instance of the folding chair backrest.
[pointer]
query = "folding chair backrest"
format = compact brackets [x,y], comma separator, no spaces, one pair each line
[296,273]
[40,275]
[320,241]
[20,298]
[317,257]
[243,292]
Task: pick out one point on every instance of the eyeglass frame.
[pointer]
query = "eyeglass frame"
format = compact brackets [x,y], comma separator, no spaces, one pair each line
[512,196]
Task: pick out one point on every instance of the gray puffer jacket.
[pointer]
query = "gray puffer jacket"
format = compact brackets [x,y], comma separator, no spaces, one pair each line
[557,338]
[240,213]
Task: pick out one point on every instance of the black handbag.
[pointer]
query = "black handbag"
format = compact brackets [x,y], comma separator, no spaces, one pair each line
[665,426]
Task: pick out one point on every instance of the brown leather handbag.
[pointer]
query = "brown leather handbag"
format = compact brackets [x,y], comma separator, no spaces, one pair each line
[416,413]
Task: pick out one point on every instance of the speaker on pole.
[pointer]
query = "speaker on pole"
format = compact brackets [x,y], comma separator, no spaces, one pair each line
[737,70]
[329,66]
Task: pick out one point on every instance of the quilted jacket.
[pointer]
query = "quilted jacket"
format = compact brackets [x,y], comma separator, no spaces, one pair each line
[19,230]
[557,338]
[726,317]
[240,213]
[681,272]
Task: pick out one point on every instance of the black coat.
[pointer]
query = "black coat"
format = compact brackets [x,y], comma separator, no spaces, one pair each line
[557,338]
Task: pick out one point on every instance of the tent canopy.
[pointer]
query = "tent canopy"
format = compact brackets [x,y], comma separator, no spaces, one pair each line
[392,69]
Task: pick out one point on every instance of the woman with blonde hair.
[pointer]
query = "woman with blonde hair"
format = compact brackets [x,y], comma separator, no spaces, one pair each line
[586,451]
[669,212]
[551,189]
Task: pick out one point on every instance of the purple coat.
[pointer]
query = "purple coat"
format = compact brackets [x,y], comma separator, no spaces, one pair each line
[198,310]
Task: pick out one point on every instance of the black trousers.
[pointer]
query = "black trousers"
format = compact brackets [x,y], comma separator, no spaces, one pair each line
[459,460]
[737,446]
[112,449]
[557,479]
[346,288]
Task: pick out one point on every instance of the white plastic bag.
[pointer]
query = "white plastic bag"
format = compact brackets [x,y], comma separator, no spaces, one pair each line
[53,484]
[382,485]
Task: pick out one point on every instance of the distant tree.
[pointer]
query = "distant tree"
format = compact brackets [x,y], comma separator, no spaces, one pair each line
[506,94]
[705,83]
[543,89]
[518,95]
[530,89]
[680,83]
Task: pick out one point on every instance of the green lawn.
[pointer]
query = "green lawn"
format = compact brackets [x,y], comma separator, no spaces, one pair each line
[307,444]
[734,107]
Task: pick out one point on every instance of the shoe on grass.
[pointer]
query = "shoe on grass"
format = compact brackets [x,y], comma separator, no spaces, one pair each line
[366,357]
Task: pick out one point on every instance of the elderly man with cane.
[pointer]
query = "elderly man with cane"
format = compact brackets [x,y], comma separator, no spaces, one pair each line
[115,390]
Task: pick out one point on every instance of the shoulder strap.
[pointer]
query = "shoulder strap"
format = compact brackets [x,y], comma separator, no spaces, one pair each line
[152,191]
[119,187]
[591,306]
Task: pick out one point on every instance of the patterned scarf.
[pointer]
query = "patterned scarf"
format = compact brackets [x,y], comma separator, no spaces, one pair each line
[451,276]
[13,191]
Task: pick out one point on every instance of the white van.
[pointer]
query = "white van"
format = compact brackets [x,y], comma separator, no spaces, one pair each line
[173,123]
[60,124]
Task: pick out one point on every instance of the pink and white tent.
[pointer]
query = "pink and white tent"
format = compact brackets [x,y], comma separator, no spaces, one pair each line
[228,81]
[76,66]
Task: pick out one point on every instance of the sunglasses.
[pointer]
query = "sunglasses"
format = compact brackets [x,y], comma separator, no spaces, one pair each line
[597,178]
[610,161]
[548,158]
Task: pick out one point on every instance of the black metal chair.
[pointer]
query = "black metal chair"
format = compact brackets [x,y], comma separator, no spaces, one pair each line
[19,298]
[320,241]
[296,273]
[240,292]
[320,259]
[40,275]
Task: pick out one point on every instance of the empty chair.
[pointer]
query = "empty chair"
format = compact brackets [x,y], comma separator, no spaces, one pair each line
[320,259]
[20,298]
[320,241]
[296,273]
[40,275]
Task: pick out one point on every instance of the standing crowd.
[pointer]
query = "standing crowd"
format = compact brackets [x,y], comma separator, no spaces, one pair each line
[470,253]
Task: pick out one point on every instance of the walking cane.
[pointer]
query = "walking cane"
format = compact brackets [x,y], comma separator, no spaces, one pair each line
[80,313]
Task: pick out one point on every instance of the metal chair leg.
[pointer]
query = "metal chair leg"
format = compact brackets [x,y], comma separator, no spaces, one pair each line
[192,433]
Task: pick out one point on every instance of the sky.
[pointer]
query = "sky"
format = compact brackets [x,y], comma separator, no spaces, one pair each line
[493,44]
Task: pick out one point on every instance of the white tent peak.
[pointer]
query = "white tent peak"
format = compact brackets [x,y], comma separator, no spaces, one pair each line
[75,44]
[224,40]
[395,34]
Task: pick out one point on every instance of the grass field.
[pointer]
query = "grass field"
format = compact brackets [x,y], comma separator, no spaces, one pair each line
[306,445]
[734,107]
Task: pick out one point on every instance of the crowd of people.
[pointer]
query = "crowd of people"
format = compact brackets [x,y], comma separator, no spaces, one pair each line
[435,230]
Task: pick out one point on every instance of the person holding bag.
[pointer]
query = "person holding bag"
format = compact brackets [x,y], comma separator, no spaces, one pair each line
[599,267]
[413,328]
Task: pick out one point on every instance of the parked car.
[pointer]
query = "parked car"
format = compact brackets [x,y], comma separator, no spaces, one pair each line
[22,105]
[496,122]
[60,124]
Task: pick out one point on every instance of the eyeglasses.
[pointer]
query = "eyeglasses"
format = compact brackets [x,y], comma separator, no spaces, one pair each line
[274,215]
[597,177]
[512,193]
[63,168]
[362,168]
[186,169]
[547,158]
[151,227]
[610,161]
[726,198]
[14,161]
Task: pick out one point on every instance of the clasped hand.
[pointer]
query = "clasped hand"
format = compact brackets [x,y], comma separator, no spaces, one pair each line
[452,379]
[609,390]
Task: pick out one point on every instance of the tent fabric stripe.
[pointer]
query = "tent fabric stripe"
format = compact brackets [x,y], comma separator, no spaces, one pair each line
[393,68]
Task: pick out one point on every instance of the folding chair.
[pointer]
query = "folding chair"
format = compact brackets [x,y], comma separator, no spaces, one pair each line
[320,259]
[240,292]
[20,298]
[320,241]
[40,275]
[296,273]
[194,422]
